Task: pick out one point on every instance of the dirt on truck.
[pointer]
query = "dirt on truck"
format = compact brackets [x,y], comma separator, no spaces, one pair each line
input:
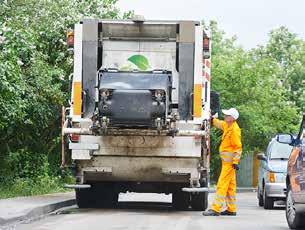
[139,119]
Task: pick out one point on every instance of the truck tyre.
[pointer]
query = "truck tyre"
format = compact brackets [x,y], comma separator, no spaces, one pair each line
[181,200]
[260,198]
[199,201]
[83,198]
[268,201]
[295,220]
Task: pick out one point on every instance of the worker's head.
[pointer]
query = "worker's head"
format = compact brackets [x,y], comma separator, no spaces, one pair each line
[230,115]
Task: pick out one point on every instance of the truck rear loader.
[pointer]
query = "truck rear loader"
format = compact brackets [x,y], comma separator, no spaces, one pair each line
[139,111]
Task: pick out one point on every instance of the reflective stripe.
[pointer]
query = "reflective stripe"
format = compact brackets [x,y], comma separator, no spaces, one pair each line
[77,98]
[197,100]
[237,154]
[219,200]
[218,203]
[227,161]
[230,156]
[227,154]
[220,196]
[231,203]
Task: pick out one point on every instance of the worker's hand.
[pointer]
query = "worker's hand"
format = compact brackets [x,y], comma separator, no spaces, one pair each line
[215,115]
[235,166]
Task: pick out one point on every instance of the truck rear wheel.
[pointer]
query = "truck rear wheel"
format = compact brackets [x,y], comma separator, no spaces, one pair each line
[199,201]
[98,196]
[105,195]
[181,200]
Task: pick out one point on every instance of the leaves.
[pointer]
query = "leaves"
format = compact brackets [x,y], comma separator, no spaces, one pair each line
[34,77]
[140,61]
[259,84]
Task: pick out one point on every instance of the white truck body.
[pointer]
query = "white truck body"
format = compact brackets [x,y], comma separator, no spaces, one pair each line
[167,158]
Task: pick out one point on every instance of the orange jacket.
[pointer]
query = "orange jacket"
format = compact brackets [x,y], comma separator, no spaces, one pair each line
[231,146]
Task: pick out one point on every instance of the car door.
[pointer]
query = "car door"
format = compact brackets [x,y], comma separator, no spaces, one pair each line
[300,197]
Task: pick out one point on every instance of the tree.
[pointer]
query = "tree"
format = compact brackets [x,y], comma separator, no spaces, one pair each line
[251,82]
[289,52]
[34,71]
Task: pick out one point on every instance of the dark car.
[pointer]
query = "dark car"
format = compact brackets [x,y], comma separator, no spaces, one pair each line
[295,181]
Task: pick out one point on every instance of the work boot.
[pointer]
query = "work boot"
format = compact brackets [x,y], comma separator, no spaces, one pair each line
[210,212]
[228,213]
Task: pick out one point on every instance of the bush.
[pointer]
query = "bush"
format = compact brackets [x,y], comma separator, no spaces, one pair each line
[35,66]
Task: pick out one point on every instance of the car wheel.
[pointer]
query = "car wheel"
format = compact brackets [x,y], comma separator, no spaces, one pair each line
[268,201]
[294,219]
[260,198]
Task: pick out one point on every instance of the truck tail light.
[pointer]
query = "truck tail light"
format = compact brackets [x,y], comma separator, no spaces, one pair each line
[206,44]
[74,137]
[206,47]
[70,39]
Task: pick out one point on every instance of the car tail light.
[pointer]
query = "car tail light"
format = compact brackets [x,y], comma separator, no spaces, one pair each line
[272,177]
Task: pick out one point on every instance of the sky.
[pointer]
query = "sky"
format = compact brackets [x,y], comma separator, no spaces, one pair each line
[249,20]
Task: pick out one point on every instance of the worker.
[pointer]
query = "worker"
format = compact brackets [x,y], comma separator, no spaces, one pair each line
[230,152]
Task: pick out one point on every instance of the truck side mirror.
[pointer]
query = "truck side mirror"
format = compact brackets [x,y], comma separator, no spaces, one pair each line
[261,157]
[285,139]
[215,102]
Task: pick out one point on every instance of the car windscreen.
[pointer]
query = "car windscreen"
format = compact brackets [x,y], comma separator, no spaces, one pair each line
[280,151]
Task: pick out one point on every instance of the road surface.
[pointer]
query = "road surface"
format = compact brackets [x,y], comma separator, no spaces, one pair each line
[154,212]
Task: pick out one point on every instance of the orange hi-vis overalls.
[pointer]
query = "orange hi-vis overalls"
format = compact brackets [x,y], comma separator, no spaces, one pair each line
[230,152]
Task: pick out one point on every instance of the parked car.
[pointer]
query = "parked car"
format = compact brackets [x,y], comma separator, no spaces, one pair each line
[272,173]
[295,180]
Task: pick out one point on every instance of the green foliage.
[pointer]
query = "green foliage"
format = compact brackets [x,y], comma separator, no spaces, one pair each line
[34,71]
[32,186]
[140,61]
[264,84]
[289,52]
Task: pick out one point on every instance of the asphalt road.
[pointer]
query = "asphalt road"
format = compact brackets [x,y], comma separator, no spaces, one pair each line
[154,212]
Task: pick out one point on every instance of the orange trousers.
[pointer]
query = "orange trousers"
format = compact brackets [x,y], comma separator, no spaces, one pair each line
[226,189]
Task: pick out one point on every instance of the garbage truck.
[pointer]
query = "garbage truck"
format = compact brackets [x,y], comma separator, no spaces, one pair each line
[139,115]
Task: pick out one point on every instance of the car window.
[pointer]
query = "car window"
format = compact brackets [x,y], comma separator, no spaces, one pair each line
[280,151]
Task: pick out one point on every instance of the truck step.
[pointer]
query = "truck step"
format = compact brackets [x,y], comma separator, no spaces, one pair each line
[200,189]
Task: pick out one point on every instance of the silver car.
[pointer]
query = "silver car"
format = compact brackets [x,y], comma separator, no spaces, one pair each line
[272,173]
